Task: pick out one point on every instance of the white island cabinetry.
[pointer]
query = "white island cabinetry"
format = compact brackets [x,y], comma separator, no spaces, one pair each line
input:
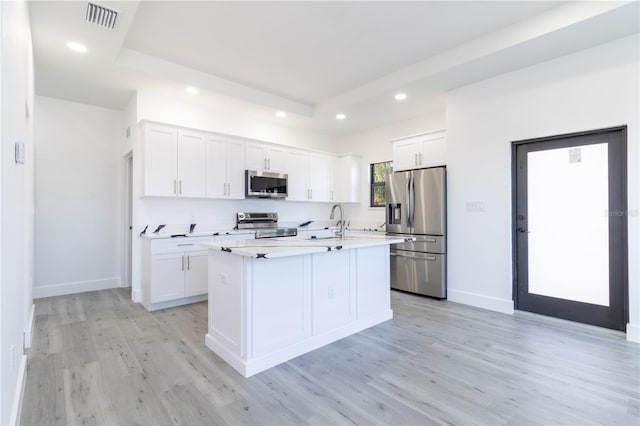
[270,302]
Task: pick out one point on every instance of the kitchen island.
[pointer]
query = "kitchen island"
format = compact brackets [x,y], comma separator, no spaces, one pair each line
[272,300]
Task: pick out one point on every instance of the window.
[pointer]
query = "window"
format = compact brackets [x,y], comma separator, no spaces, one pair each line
[378,172]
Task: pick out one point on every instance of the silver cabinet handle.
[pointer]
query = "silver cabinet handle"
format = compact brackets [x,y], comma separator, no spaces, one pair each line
[265,163]
[188,263]
[175,191]
[182,263]
[269,163]
[415,158]
[186,244]
[431,258]
[430,240]
[229,189]
[420,157]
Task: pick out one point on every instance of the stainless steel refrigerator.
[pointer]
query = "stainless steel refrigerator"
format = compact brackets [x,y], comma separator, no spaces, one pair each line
[416,206]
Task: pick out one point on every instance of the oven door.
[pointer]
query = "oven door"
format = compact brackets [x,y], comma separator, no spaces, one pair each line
[421,273]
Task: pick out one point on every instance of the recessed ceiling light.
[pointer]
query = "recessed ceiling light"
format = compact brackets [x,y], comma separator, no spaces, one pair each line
[281,114]
[340,116]
[400,96]
[77,47]
[191,90]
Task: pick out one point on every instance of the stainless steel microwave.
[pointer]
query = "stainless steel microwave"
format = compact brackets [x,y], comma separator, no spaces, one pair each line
[259,184]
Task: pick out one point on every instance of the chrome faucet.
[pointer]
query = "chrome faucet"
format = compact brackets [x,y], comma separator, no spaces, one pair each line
[339,232]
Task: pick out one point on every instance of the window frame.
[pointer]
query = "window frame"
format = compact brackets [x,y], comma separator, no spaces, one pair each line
[373,184]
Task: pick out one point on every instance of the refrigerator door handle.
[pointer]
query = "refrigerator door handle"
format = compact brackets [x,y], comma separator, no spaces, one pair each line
[412,202]
[408,198]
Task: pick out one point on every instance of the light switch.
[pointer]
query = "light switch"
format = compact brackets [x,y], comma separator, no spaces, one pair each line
[19,152]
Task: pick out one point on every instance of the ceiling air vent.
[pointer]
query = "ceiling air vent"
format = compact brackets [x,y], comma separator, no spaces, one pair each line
[101,15]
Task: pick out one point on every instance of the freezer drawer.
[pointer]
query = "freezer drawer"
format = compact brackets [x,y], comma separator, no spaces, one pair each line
[422,273]
[423,243]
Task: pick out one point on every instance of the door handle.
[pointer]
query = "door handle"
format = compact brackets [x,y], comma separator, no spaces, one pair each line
[523,231]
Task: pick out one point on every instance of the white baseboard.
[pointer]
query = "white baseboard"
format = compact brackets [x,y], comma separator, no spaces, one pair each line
[16,410]
[75,287]
[29,331]
[504,306]
[633,332]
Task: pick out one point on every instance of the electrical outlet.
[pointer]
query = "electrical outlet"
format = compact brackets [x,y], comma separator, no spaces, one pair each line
[475,206]
[331,293]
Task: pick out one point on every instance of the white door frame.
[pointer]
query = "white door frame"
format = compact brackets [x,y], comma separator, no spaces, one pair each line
[128,218]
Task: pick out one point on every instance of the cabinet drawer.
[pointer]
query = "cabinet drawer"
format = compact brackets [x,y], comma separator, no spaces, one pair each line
[178,245]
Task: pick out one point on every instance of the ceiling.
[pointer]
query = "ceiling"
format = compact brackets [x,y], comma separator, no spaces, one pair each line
[309,59]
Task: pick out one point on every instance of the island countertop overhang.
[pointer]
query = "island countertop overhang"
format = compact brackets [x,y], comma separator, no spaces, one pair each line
[283,247]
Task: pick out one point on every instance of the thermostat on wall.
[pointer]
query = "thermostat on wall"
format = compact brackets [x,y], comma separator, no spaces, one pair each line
[20,152]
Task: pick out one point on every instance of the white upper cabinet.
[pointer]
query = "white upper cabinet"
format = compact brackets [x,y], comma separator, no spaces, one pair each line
[265,157]
[160,160]
[309,176]
[191,164]
[426,150]
[185,163]
[174,163]
[297,164]
[225,168]
[348,178]
[319,177]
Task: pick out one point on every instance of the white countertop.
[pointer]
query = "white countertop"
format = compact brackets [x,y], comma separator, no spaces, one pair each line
[282,247]
[152,236]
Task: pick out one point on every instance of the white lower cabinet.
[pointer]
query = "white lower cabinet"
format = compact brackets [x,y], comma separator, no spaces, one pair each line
[175,270]
[167,274]
[178,275]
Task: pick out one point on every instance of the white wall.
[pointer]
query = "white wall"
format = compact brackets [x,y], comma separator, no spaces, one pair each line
[209,214]
[592,89]
[16,201]
[79,209]
[374,146]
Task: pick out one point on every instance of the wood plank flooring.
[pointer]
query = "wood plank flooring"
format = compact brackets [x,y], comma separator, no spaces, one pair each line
[98,358]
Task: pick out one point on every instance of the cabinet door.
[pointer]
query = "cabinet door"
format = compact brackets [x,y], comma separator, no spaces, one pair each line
[334,179]
[196,274]
[405,155]
[298,171]
[276,160]
[235,169]
[216,167]
[319,177]
[167,277]
[191,164]
[255,157]
[349,179]
[433,150]
[160,161]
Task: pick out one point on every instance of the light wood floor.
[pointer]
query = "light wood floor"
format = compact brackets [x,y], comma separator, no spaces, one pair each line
[98,358]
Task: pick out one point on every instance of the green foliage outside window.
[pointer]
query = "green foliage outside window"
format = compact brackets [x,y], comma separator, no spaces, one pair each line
[378,173]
